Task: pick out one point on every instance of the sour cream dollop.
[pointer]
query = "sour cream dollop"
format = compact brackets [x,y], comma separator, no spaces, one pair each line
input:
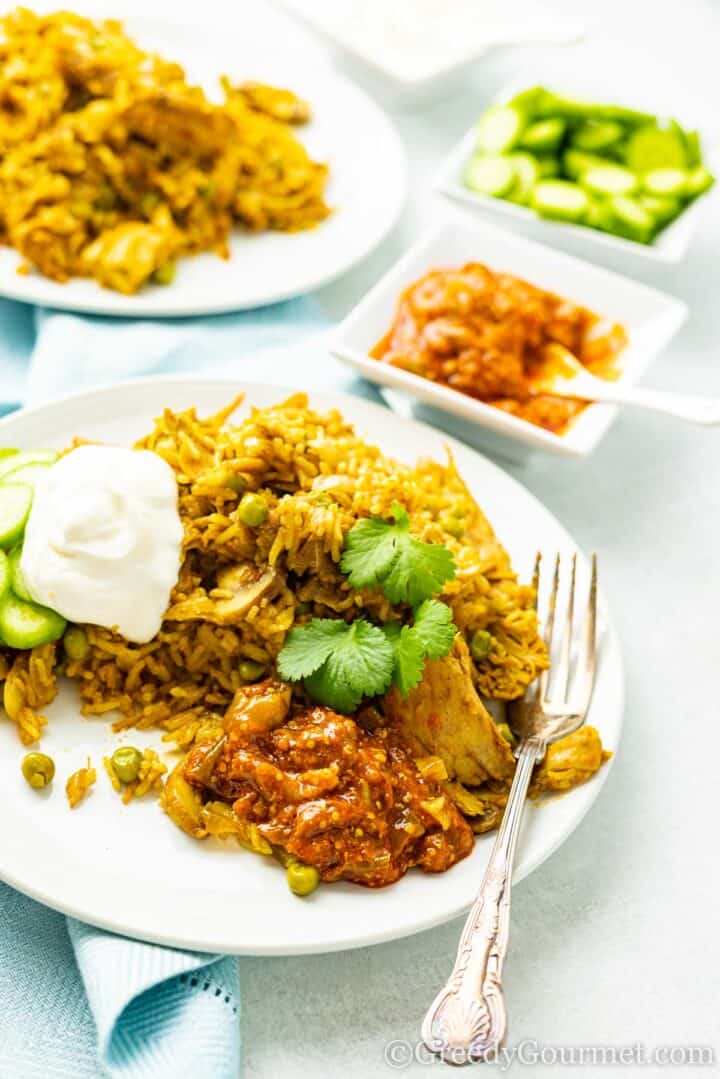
[102,543]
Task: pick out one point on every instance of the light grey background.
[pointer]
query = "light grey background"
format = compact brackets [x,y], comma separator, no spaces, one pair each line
[615,940]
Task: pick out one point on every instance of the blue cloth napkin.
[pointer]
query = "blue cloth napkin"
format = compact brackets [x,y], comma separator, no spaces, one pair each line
[75,1000]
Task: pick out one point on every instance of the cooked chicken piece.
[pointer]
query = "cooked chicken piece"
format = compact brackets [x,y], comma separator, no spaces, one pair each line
[282,105]
[190,126]
[241,587]
[444,716]
[572,760]
[125,257]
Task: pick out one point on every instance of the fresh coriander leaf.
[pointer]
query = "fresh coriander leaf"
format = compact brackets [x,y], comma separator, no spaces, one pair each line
[378,553]
[418,571]
[339,663]
[368,551]
[307,647]
[409,656]
[433,624]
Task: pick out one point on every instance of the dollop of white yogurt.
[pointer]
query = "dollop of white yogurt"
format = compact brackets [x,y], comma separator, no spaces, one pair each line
[103,540]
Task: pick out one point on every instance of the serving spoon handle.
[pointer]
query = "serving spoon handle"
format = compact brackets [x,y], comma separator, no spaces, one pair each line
[467,1020]
[690,407]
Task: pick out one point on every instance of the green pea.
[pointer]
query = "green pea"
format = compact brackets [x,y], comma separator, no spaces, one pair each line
[126,761]
[480,644]
[302,879]
[250,671]
[252,509]
[164,274]
[505,732]
[452,524]
[76,643]
[235,481]
[38,769]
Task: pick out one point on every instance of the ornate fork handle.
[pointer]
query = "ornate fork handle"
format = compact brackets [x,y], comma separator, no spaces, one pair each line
[467,1020]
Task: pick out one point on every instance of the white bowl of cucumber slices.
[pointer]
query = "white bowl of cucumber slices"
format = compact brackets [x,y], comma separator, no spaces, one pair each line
[605,173]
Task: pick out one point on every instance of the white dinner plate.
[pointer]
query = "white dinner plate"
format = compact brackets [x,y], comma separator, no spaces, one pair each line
[129,868]
[367,185]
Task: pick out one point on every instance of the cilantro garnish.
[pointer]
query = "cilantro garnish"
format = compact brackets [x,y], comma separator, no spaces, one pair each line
[384,554]
[341,663]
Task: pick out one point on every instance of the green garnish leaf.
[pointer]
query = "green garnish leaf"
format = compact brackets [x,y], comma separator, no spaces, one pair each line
[378,553]
[339,663]
[435,628]
[409,656]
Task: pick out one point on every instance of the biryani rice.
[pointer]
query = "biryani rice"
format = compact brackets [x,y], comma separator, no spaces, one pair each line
[318,478]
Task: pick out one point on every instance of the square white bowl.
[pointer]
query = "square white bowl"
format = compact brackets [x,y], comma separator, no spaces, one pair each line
[650,318]
[670,245]
[417,48]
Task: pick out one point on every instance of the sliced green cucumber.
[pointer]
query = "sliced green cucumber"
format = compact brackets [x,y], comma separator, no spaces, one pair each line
[27,457]
[527,175]
[576,162]
[551,104]
[662,207]
[492,175]
[652,147]
[633,221]
[543,135]
[609,180]
[15,502]
[597,215]
[28,625]
[499,128]
[527,100]
[548,165]
[7,452]
[666,182]
[699,180]
[594,135]
[560,200]
[28,474]
[5,574]
[17,580]
[693,148]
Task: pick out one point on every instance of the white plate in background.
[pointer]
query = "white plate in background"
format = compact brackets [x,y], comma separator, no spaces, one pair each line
[348,131]
[129,868]
[649,317]
[670,245]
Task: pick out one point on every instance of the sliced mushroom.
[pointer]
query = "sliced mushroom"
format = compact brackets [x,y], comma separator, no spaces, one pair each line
[257,708]
[245,584]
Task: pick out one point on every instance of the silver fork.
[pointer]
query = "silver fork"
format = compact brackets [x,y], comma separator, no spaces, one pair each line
[467,1021]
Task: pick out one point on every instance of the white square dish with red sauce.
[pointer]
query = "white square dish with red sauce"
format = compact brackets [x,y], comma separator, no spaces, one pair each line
[650,319]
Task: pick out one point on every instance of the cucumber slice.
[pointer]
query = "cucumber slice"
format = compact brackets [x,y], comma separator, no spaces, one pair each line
[551,104]
[631,218]
[15,502]
[662,208]
[28,474]
[560,200]
[28,457]
[666,182]
[16,578]
[499,128]
[576,162]
[699,181]
[5,574]
[693,148]
[596,135]
[543,135]
[653,147]
[491,175]
[548,165]
[7,452]
[526,101]
[609,180]
[28,625]
[527,175]
[597,215]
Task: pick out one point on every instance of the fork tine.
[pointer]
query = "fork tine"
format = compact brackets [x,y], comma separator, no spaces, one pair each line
[549,624]
[536,577]
[561,680]
[588,652]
